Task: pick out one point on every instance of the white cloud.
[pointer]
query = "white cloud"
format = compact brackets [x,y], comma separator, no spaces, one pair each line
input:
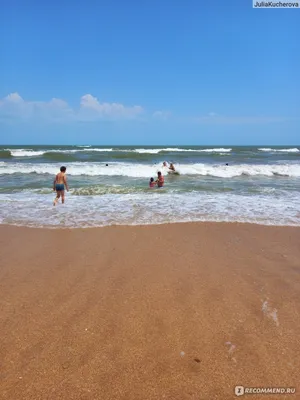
[13,98]
[161,115]
[89,105]
[14,106]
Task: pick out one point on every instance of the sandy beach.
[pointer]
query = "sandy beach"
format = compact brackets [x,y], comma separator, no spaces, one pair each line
[180,311]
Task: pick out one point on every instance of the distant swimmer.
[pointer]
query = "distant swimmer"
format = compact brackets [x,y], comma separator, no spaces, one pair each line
[160,180]
[152,183]
[171,167]
[106,165]
[227,164]
[59,185]
[165,164]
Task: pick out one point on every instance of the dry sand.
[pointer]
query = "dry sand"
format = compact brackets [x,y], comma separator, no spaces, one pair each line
[182,311]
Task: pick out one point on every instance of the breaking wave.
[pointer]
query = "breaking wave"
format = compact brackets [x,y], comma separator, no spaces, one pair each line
[88,149]
[292,150]
[146,171]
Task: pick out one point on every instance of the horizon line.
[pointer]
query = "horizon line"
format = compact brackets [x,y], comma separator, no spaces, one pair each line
[148,145]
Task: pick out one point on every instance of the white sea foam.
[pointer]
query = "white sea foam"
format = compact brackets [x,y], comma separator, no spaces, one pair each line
[221,150]
[231,171]
[26,153]
[216,150]
[292,150]
[145,171]
[143,151]
[72,151]
[269,312]
[33,153]
[148,208]
[167,149]
[94,149]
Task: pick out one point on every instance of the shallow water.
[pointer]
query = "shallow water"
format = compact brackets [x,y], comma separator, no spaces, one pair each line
[259,185]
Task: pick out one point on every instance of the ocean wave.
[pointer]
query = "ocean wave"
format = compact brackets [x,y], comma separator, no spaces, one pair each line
[221,150]
[59,156]
[174,149]
[36,153]
[231,171]
[292,150]
[142,151]
[146,171]
[93,149]
[89,149]
[5,154]
[25,153]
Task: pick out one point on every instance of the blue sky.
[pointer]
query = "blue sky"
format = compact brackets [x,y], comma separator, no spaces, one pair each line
[148,72]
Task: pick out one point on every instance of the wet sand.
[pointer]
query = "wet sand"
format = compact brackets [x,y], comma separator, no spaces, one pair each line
[181,311]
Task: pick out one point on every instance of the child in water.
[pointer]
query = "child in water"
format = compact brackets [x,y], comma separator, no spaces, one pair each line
[152,183]
[59,185]
[160,180]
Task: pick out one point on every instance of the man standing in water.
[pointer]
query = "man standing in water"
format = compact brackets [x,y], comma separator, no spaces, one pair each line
[59,184]
[160,180]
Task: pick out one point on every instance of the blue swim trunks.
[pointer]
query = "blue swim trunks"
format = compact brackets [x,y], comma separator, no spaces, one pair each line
[59,187]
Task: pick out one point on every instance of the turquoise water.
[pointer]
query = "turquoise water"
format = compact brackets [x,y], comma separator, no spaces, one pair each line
[259,184]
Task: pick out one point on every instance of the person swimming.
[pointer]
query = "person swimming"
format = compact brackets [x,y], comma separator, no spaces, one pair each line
[165,165]
[152,183]
[171,167]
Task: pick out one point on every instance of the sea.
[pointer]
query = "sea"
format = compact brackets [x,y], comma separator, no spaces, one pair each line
[109,185]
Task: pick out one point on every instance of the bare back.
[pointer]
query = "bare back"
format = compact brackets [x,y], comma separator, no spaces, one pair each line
[60,178]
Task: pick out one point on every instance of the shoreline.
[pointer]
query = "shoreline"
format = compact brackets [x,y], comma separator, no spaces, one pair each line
[235,223]
[173,311]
